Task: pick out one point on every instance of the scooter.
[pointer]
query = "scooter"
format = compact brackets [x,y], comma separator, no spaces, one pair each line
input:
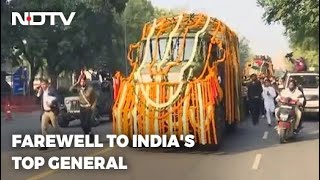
[286,118]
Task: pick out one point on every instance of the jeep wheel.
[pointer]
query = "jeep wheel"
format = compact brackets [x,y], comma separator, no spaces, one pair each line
[63,121]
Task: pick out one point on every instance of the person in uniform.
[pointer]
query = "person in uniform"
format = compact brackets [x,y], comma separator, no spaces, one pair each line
[49,104]
[88,101]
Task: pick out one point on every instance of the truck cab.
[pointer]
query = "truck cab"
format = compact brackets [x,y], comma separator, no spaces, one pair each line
[185,79]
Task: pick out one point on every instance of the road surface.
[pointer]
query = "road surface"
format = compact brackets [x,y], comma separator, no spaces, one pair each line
[252,153]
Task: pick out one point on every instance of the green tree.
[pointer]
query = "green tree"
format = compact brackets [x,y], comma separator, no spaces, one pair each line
[245,51]
[87,40]
[299,17]
[312,57]
[139,12]
[19,43]
[159,12]
[136,14]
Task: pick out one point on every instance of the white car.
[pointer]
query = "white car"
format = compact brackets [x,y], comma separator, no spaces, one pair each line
[309,81]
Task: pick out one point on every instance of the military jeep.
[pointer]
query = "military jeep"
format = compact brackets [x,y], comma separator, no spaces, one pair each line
[70,109]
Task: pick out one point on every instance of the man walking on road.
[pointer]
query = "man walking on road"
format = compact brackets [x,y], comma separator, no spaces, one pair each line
[268,94]
[254,97]
[49,103]
[88,101]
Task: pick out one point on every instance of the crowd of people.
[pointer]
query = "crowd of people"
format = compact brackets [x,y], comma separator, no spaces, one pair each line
[262,95]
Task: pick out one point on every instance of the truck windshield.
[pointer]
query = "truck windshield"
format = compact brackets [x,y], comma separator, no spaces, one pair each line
[176,45]
[306,81]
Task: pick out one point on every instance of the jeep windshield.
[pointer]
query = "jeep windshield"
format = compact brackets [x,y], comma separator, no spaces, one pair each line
[306,81]
[176,45]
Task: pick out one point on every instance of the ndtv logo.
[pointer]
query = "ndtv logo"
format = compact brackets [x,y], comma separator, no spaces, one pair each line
[28,19]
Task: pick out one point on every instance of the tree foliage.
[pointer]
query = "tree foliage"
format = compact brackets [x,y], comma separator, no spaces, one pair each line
[299,17]
[312,57]
[88,40]
[245,51]
[100,33]
[137,13]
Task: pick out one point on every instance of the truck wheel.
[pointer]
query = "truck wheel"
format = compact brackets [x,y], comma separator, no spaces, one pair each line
[63,121]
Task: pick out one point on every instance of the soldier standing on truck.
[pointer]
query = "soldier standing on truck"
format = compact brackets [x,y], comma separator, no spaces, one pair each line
[88,101]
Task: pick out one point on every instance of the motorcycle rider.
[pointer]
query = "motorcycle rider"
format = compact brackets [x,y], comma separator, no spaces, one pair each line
[295,94]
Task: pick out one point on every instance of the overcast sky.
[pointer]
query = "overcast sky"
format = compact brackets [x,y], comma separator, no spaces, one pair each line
[244,17]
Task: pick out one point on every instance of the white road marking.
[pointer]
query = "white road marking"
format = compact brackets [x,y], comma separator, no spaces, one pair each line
[265,135]
[256,162]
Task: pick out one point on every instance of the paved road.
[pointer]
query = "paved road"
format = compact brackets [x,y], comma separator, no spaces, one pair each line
[252,153]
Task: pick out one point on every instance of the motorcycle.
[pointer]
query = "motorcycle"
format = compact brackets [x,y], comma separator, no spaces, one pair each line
[286,118]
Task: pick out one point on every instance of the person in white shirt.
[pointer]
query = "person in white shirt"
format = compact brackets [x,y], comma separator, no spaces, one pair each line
[295,94]
[268,95]
[48,104]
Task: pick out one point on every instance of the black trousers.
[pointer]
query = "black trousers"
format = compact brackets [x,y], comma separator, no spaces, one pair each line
[245,106]
[263,109]
[255,107]
[86,118]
